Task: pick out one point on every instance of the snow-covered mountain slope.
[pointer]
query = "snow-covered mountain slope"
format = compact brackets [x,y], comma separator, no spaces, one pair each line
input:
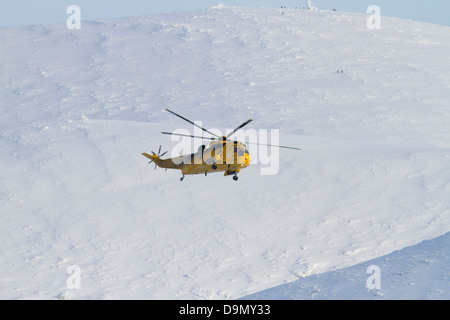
[417,272]
[79,106]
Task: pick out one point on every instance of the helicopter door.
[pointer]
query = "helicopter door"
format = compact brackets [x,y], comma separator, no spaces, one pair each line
[201,151]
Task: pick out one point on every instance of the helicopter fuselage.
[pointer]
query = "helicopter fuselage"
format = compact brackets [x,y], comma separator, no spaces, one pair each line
[220,156]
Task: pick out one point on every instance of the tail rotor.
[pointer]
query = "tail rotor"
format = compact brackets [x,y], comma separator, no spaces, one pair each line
[159,155]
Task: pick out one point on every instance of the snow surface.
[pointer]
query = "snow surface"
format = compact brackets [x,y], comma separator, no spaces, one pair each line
[79,106]
[418,272]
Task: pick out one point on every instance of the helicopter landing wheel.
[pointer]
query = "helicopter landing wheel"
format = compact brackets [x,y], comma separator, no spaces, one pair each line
[214,166]
[181,179]
[235,178]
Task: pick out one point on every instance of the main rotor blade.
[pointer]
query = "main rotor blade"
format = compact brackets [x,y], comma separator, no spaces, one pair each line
[187,135]
[271,145]
[193,123]
[240,127]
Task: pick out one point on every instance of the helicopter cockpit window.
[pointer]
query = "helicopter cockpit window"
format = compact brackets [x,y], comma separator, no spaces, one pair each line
[241,151]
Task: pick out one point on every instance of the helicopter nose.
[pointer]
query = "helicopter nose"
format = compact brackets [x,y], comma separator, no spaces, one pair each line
[248,159]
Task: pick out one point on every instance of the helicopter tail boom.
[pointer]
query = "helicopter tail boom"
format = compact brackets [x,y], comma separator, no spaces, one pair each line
[157,160]
[166,163]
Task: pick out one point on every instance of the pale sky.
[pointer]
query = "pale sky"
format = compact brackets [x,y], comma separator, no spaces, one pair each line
[26,12]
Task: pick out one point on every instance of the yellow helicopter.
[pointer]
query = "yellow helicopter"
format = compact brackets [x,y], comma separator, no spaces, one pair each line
[222,154]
